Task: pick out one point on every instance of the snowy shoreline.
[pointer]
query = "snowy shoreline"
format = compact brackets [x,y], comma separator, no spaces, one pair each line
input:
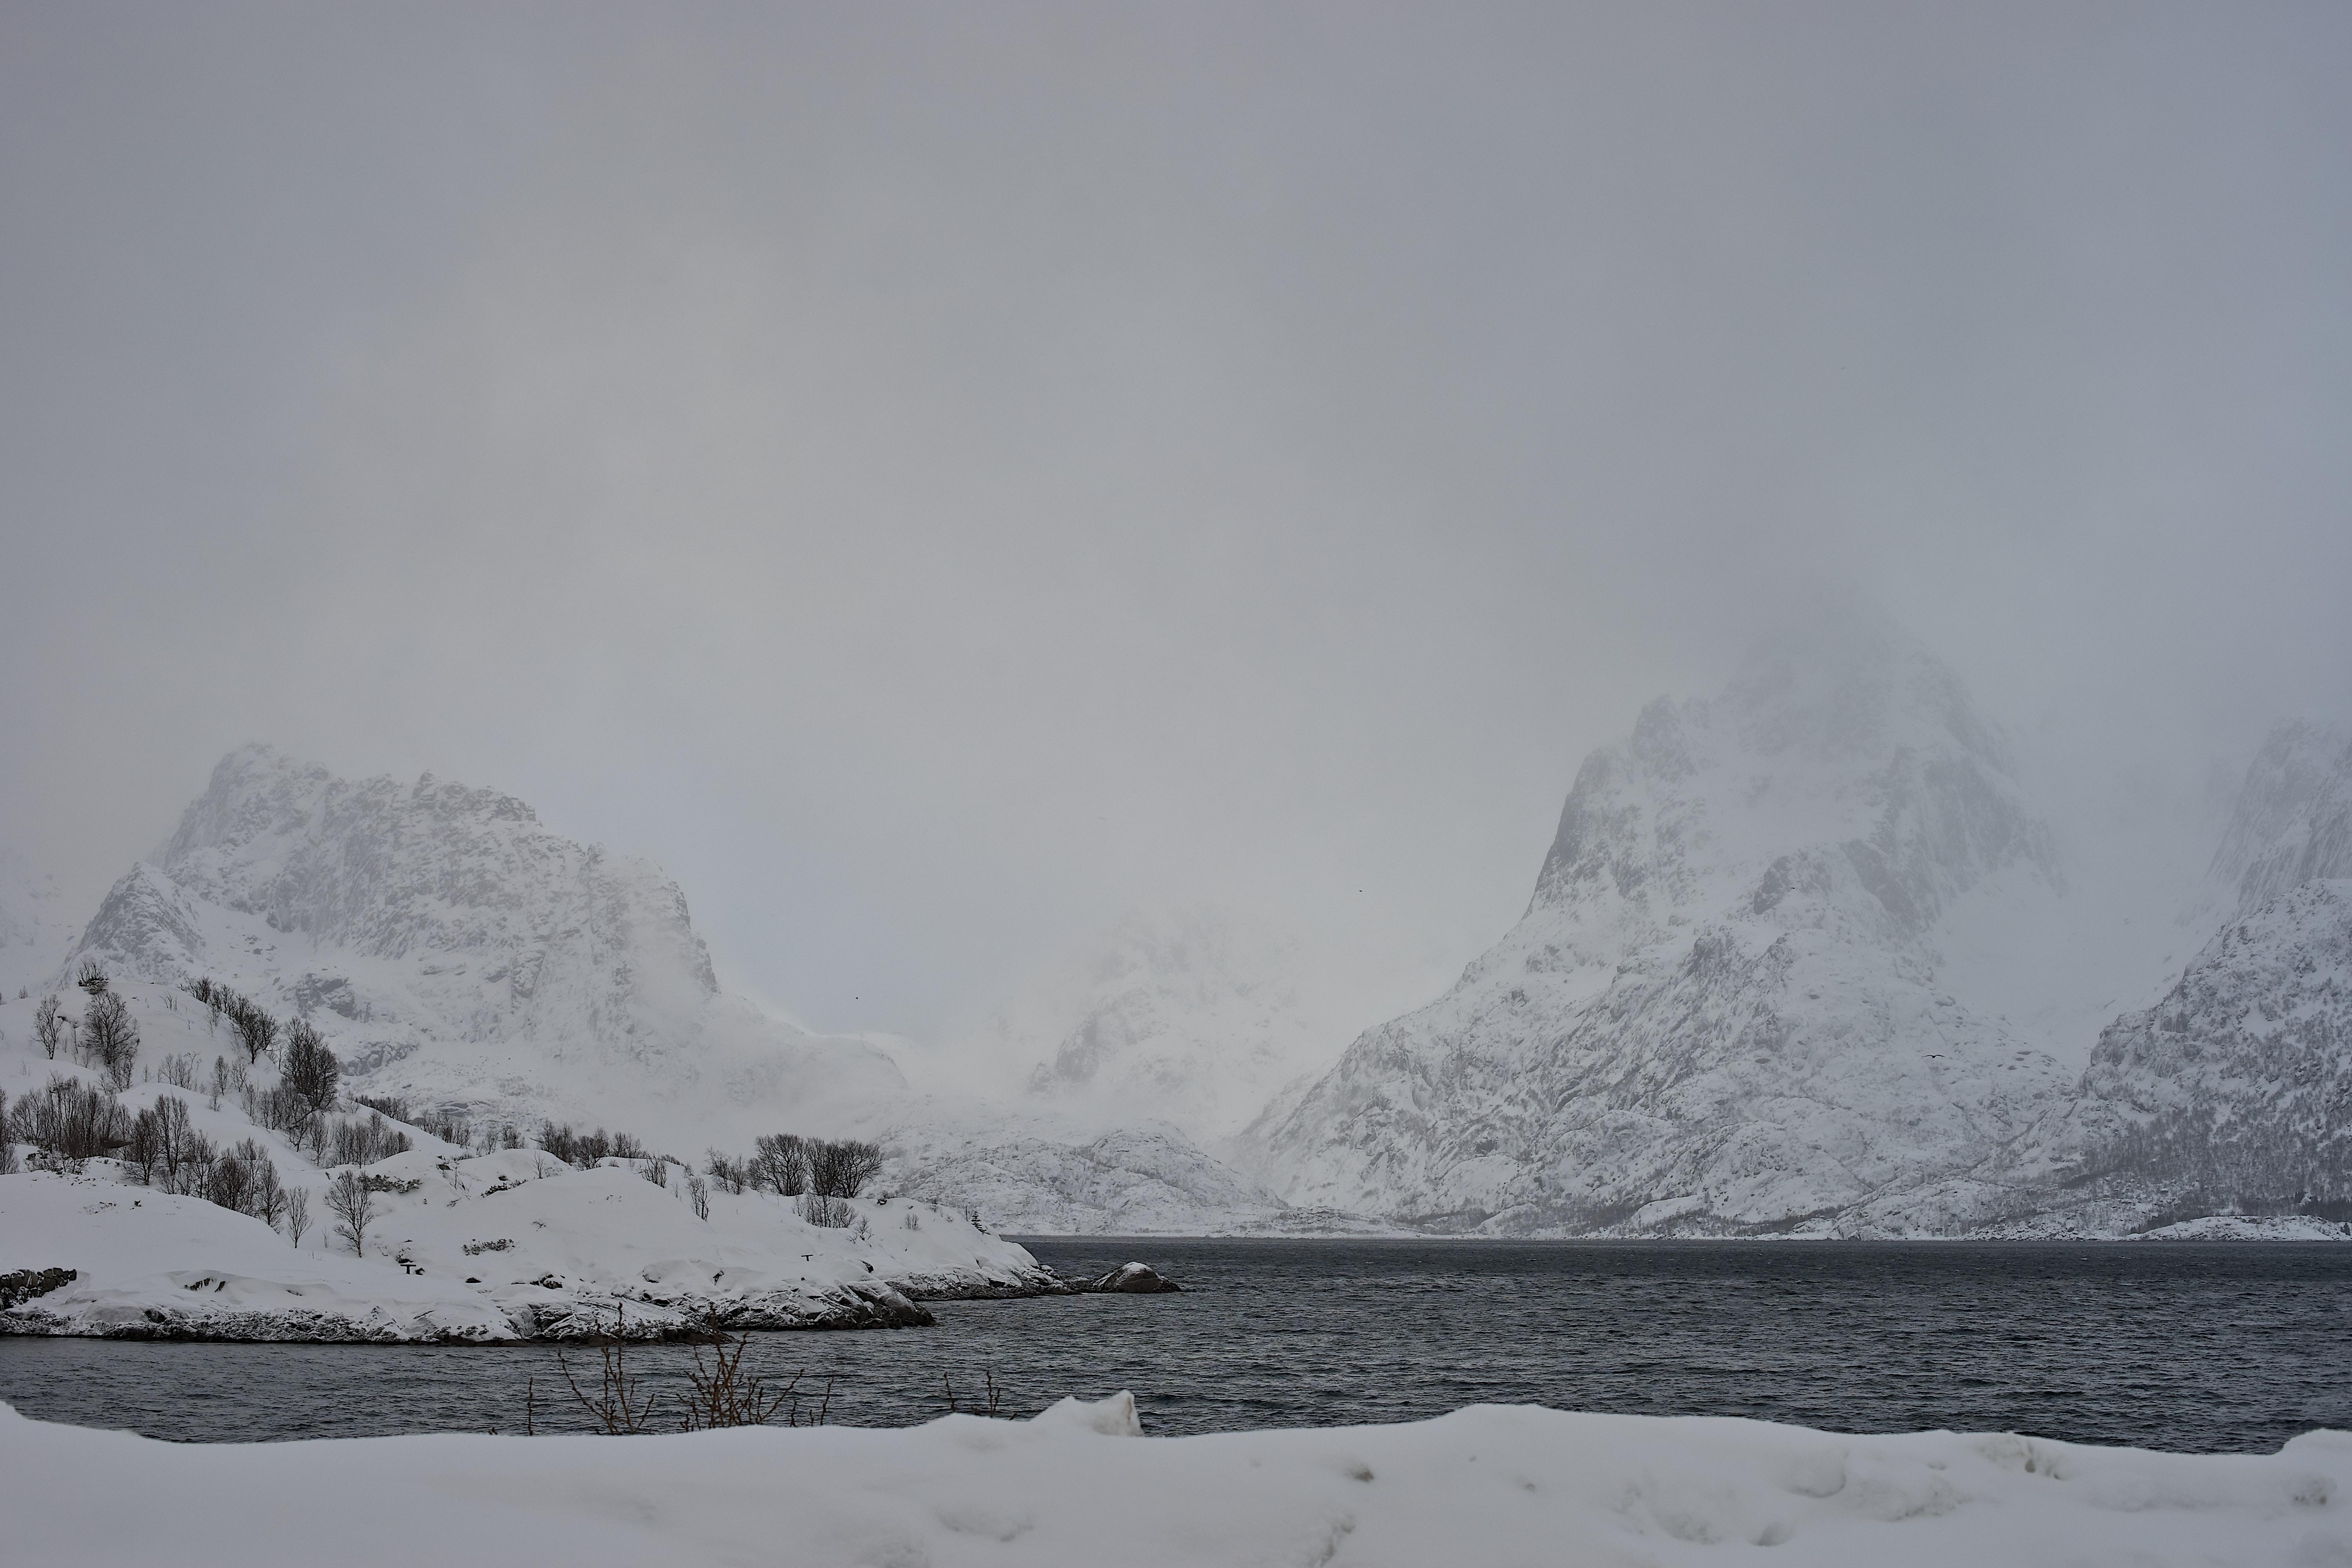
[499,1249]
[1079,1484]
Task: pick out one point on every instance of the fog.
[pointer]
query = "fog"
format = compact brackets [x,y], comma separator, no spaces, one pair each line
[934,476]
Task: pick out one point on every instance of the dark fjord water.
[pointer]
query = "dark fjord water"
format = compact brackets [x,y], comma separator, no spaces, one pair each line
[2188,1347]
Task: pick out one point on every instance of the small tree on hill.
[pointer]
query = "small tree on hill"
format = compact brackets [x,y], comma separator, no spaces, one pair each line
[353,1203]
[256,1029]
[837,1170]
[310,1070]
[111,1038]
[47,1027]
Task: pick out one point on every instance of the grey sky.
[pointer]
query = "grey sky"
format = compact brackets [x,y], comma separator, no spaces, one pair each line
[934,475]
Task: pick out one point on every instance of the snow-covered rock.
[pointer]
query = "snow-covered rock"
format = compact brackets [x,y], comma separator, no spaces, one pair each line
[1077,1485]
[1721,1011]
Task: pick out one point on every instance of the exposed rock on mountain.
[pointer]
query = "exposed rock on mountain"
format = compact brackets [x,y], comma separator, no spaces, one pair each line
[1720,1012]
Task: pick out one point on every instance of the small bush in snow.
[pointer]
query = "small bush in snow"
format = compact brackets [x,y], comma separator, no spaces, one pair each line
[817,1208]
[297,1214]
[91,978]
[696,1194]
[47,1027]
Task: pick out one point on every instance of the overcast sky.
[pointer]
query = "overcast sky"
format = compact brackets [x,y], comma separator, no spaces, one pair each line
[935,476]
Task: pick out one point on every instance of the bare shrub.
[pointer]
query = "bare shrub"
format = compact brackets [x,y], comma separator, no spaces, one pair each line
[297,1214]
[723,1394]
[179,1071]
[817,1208]
[48,1028]
[730,1173]
[621,1404]
[91,978]
[697,1195]
[71,1122]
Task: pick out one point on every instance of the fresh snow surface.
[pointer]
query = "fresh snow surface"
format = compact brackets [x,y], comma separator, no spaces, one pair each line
[1079,1486]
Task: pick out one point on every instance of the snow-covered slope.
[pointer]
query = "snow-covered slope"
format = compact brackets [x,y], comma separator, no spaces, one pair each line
[1721,1011]
[1078,1485]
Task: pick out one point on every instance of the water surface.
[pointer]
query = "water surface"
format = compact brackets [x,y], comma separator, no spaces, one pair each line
[2194,1347]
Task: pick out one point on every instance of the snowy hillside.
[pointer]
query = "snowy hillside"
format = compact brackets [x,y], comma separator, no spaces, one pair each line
[457,954]
[1721,1011]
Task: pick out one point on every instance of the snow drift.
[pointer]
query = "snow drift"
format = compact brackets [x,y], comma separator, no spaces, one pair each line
[1078,1485]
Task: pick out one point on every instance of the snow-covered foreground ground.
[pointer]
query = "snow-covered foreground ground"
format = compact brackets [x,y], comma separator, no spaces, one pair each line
[1491,1484]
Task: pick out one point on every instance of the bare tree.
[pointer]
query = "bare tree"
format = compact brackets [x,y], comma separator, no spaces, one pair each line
[298,1212]
[310,1069]
[46,1027]
[91,978]
[782,1163]
[353,1203]
[111,1038]
[256,1029]
[220,1079]
[838,1170]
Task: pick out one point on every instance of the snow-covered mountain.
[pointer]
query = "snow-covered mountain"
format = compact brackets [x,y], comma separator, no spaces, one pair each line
[457,952]
[1722,1010]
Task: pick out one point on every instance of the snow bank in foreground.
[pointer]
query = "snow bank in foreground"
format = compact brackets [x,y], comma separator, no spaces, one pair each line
[1491,1484]
[492,1247]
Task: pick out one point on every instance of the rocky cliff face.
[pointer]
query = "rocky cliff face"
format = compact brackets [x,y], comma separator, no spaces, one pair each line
[1720,1013]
